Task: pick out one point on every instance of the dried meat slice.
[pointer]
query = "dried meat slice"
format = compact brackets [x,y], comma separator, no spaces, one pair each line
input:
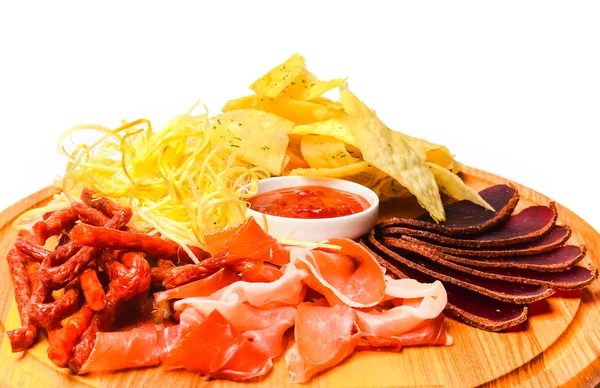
[465,217]
[470,307]
[526,226]
[555,238]
[507,291]
[559,259]
[573,278]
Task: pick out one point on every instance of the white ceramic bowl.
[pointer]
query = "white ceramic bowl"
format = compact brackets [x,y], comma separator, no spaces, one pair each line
[315,230]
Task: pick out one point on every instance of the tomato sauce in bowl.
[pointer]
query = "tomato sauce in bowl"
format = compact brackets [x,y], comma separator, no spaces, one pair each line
[313,209]
[308,202]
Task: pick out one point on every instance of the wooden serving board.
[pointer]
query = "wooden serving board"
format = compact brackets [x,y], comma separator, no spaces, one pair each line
[558,345]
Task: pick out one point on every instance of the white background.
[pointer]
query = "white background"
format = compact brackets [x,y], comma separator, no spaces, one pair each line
[510,87]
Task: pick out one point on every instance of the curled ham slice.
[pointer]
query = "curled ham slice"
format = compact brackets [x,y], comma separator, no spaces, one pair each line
[145,345]
[323,339]
[326,335]
[351,276]
[428,332]
[219,348]
[202,287]
[248,240]
[421,301]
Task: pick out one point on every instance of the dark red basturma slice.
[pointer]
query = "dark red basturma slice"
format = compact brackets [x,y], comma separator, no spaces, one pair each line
[574,278]
[470,307]
[555,238]
[464,217]
[526,226]
[505,291]
[559,259]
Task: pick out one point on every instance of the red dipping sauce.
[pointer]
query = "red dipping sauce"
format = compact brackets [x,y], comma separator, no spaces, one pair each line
[308,202]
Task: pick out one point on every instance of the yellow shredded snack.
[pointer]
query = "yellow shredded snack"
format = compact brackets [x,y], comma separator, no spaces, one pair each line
[176,180]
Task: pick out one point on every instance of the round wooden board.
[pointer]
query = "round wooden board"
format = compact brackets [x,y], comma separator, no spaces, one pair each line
[559,344]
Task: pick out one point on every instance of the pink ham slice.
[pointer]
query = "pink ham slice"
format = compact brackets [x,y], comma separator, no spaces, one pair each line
[219,348]
[323,339]
[350,276]
[526,226]
[142,346]
[202,287]
[249,241]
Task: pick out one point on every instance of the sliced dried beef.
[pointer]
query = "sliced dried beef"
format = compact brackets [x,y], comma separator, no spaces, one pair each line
[506,291]
[470,307]
[526,226]
[559,259]
[465,217]
[555,238]
[573,278]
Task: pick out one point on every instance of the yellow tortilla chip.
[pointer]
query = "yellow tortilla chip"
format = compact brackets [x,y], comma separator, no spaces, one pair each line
[363,173]
[325,152]
[388,151]
[260,138]
[430,152]
[307,86]
[335,127]
[328,103]
[453,186]
[300,112]
[272,84]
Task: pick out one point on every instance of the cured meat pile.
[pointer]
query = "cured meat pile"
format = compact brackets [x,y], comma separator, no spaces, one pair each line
[492,264]
[128,300]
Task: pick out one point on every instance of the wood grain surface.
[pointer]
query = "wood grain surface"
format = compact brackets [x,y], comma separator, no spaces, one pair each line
[558,346]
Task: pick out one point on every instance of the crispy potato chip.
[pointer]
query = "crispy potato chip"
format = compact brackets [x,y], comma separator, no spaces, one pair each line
[277,79]
[328,103]
[337,128]
[430,152]
[363,173]
[453,186]
[388,151]
[307,86]
[300,112]
[294,153]
[457,167]
[325,152]
[260,138]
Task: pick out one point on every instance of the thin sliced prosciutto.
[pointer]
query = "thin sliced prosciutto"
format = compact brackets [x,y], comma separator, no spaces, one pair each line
[249,241]
[351,276]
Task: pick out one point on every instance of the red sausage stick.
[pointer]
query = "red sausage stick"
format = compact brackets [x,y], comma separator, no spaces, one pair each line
[58,276]
[23,337]
[92,289]
[51,313]
[53,225]
[63,340]
[93,236]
